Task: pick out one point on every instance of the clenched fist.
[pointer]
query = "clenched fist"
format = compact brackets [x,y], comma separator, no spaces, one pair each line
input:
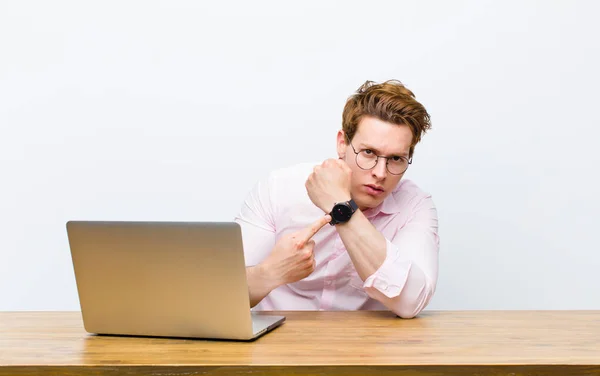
[329,183]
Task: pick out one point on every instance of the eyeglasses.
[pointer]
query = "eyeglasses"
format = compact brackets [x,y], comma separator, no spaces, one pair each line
[366,159]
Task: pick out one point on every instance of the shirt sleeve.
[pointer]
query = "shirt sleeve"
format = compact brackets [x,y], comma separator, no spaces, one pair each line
[257,221]
[406,280]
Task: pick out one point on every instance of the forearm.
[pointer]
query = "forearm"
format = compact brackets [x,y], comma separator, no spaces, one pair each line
[364,243]
[259,284]
[401,285]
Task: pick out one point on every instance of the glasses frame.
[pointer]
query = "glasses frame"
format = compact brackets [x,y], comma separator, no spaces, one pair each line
[387,159]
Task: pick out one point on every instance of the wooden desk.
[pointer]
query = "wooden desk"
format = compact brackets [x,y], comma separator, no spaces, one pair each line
[319,343]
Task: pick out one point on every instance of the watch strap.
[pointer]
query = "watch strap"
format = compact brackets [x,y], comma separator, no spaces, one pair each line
[353,205]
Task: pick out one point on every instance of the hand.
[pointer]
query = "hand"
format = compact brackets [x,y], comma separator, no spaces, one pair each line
[292,258]
[329,183]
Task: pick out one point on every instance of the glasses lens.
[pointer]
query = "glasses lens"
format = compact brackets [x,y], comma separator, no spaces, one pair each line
[365,160]
[398,166]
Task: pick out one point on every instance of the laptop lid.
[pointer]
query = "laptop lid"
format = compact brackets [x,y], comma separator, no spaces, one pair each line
[175,279]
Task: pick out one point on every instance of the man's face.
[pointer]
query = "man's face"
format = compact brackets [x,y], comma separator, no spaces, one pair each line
[371,187]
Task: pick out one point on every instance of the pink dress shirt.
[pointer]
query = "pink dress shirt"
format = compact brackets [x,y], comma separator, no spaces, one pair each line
[407,218]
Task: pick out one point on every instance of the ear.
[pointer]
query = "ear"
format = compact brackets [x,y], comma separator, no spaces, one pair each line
[341,144]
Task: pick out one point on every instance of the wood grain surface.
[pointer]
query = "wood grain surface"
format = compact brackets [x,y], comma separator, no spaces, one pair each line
[319,343]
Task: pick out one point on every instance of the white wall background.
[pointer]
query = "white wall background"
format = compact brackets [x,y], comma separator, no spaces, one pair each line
[171,110]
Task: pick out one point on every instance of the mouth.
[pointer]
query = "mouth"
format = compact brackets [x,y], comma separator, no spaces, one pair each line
[376,187]
[373,189]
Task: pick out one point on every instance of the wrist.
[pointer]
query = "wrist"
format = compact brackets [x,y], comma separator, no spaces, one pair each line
[339,198]
[269,280]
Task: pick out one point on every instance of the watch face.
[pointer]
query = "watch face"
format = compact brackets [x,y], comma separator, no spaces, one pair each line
[341,212]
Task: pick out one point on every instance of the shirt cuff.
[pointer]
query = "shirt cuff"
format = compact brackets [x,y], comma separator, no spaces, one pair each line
[391,276]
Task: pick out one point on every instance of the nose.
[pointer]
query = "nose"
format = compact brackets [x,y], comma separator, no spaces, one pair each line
[380,169]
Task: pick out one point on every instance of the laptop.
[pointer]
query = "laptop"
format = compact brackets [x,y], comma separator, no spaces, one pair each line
[164,279]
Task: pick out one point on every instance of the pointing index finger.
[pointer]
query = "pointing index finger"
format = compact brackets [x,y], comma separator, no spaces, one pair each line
[311,230]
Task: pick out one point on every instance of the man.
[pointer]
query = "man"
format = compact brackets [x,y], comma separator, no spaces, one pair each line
[380,250]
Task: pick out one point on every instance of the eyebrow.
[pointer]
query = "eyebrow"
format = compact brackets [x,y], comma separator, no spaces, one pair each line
[363,146]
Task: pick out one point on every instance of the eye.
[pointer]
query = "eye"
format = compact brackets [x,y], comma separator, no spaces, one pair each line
[396,158]
[368,151]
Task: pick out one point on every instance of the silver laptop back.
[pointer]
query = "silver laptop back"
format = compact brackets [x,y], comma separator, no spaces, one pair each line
[173,279]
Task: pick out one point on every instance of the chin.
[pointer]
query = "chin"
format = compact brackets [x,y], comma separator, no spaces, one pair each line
[368,202]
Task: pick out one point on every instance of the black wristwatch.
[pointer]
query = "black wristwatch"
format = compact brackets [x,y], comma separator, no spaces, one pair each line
[342,211]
